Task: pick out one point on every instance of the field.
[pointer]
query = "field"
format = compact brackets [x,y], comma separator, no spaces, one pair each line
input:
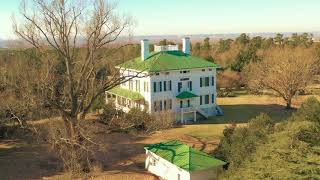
[22,158]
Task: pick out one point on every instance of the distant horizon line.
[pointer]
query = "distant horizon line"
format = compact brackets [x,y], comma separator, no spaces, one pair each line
[206,34]
[231,33]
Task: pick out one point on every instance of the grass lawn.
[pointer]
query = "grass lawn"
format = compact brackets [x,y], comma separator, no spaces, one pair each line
[243,112]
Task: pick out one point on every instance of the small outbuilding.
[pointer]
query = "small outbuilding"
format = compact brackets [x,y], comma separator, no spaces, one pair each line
[173,160]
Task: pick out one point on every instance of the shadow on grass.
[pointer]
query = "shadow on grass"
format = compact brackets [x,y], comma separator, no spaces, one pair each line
[21,160]
[242,113]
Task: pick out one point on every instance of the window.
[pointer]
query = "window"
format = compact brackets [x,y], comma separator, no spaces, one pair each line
[160,86]
[201,84]
[210,69]
[200,100]
[165,104]
[212,98]
[206,81]
[154,87]
[179,86]
[167,73]
[157,74]
[188,102]
[206,99]
[170,104]
[164,85]
[153,162]
[138,85]
[160,105]
[203,70]
[190,85]
[181,104]
[170,86]
[212,81]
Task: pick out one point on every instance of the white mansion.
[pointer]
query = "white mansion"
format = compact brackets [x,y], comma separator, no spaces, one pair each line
[168,80]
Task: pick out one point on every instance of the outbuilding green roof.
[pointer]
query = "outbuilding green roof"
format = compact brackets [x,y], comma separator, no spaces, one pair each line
[126,93]
[167,60]
[184,156]
[186,94]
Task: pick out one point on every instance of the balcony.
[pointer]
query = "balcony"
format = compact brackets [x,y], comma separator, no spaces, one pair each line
[187,109]
[166,48]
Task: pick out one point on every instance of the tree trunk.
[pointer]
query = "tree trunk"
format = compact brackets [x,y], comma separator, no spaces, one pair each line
[77,154]
[289,103]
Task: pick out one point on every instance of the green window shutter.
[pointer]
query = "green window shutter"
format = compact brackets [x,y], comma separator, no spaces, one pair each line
[206,99]
[154,86]
[207,81]
[212,98]
[179,86]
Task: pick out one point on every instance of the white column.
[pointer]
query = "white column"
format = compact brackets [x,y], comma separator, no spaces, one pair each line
[182,122]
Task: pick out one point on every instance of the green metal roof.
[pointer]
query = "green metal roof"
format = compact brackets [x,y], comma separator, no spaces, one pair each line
[186,94]
[126,93]
[184,156]
[167,60]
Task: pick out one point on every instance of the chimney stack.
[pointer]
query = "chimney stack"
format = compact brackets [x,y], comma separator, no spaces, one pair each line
[144,49]
[186,45]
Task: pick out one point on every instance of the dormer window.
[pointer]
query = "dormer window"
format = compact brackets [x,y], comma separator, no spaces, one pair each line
[157,74]
[167,73]
[203,70]
[210,69]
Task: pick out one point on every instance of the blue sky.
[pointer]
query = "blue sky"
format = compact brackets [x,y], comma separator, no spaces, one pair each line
[181,17]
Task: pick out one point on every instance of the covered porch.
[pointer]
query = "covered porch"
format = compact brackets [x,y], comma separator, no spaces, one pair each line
[187,109]
[125,99]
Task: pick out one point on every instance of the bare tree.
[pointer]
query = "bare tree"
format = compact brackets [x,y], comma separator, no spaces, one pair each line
[69,39]
[285,71]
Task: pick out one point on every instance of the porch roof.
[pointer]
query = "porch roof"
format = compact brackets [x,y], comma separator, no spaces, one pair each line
[126,93]
[186,94]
